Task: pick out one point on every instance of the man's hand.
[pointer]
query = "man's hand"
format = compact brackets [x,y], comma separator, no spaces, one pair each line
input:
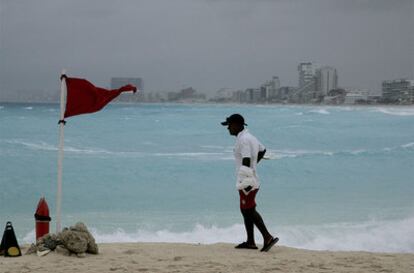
[246,161]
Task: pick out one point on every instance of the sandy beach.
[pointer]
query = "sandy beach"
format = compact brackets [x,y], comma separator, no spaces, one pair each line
[167,257]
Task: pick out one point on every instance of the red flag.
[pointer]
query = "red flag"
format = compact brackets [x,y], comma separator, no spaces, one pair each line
[83,97]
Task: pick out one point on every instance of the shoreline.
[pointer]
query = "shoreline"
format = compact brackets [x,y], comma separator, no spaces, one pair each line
[221,257]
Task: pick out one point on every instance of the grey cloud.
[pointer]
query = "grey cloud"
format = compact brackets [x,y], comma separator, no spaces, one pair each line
[207,44]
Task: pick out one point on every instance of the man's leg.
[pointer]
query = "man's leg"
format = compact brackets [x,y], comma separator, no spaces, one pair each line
[249,225]
[252,217]
[258,221]
[246,202]
[268,239]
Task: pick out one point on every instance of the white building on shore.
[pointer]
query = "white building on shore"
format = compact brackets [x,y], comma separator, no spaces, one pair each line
[398,91]
[326,80]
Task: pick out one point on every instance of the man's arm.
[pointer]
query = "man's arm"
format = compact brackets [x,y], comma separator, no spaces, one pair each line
[246,160]
[260,155]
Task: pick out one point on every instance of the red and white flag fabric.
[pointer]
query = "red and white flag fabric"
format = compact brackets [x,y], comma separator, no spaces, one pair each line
[83,97]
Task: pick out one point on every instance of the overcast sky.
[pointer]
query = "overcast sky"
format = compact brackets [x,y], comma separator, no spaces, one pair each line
[206,44]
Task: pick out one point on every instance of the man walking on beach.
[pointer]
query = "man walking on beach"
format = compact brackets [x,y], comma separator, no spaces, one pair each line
[248,151]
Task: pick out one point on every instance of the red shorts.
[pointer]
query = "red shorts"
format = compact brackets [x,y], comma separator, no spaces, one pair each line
[248,201]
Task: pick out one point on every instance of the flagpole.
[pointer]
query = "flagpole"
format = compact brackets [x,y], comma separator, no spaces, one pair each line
[63,91]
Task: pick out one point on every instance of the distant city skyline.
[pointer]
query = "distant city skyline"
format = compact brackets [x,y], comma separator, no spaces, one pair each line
[317,84]
[204,44]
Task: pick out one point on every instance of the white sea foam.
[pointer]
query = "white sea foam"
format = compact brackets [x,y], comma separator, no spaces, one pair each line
[403,111]
[357,152]
[197,155]
[28,238]
[280,154]
[347,108]
[43,146]
[283,154]
[320,111]
[199,234]
[224,154]
[408,145]
[28,108]
[87,151]
[33,145]
[375,236]
[213,147]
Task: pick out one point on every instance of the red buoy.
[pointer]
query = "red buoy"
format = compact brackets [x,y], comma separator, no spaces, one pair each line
[42,218]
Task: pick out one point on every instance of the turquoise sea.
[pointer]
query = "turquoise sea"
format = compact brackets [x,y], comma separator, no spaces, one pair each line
[337,178]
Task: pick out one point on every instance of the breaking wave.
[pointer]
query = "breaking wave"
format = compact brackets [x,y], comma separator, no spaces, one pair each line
[403,111]
[43,146]
[375,236]
[217,153]
[32,145]
[320,111]
[408,145]
[282,154]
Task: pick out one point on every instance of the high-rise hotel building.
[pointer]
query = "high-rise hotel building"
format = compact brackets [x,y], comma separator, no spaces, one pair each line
[306,73]
[326,80]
